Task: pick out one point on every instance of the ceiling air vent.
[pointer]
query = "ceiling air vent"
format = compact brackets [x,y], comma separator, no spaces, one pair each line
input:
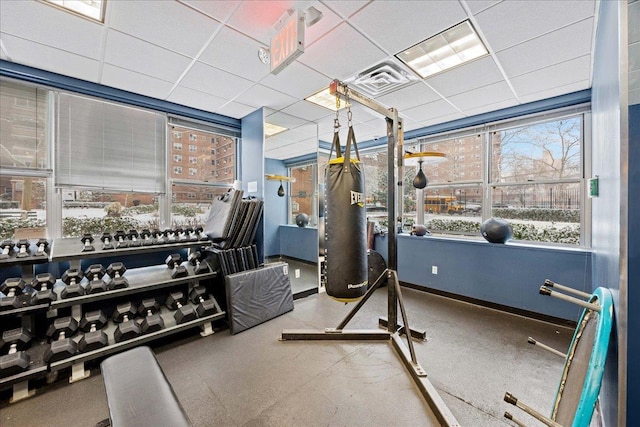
[381,78]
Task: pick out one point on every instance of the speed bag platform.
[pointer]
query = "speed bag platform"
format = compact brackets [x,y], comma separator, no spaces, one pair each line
[345,226]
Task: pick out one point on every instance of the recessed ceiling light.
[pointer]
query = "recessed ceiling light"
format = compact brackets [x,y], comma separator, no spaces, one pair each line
[445,50]
[271,129]
[93,9]
[324,99]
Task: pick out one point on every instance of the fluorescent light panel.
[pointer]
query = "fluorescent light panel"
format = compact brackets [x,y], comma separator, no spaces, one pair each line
[89,8]
[271,129]
[448,49]
[325,99]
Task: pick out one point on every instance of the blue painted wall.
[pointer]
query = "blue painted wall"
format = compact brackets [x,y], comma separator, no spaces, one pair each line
[606,162]
[275,208]
[509,274]
[299,242]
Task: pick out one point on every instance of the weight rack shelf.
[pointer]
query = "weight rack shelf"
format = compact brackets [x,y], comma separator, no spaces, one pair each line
[31,259]
[70,248]
[24,310]
[140,280]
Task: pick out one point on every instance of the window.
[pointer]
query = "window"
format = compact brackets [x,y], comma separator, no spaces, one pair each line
[193,148]
[93,9]
[193,171]
[301,192]
[22,205]
[177,170]
[177,135]
[193,160]
[177,145]
[177,158]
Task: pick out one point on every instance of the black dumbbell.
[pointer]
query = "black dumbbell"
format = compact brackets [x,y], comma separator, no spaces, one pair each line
[43,283]
[132,235]
[173,261]
[94,273]
[72,278]
[42,246]
[127,327]
[23,251]
[191,235]
[169,236]
[184,312]
[145,235]
[87,240]
[14,342]
[107,240]
[116,272]
[14,298]
[150,309]
[60,333]
[205,307]
[7,247]
[195,259]
[94,337]
[200,233]
[120,238]
[181,235]
[158,236]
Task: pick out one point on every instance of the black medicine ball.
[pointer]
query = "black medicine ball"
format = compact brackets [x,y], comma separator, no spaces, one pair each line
[496,230]
[302,220]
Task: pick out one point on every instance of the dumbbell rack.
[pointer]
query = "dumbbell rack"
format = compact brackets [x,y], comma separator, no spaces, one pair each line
[142,279]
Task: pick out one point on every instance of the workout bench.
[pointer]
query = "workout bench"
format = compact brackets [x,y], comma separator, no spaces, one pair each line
[138,393]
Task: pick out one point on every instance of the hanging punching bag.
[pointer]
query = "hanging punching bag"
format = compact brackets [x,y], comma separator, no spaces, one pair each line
[345,224]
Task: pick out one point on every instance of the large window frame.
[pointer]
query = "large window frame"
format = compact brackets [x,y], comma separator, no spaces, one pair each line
[302,194]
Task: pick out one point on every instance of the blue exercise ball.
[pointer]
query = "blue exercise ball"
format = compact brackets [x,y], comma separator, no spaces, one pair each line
[496,230]
[302,220]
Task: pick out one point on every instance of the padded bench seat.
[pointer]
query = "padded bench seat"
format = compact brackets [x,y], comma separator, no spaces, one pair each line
[138,393]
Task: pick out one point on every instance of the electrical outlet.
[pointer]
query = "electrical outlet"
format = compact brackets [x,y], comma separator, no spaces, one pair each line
[297,272]
[434,269]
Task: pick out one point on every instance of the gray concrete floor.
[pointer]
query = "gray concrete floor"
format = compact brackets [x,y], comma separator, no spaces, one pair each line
[472,356]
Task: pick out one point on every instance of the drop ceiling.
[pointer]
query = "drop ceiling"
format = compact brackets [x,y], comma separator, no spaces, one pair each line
[204,54]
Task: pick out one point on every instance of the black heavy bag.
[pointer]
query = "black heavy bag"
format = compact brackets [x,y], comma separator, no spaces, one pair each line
[345,224]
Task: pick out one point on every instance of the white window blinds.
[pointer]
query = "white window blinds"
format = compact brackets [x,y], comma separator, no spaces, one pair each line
[109,146]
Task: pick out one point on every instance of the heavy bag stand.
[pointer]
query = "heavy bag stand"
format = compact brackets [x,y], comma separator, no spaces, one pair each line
[394,295]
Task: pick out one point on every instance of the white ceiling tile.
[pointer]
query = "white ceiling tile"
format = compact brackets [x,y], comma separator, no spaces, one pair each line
[297,80]
[194,98]
[634,97]
[259,22]
[408,97]
[219,9]
[552,48]
[285,120]
[562,74]
[164,24]
[235,53]
[633,16]
[397,26]
[466,77]
[476,6]
[48,25]
[522,20]
[556,91]
[430,110]
[135,82]
[346,8]
[634,56]
[634,80]
[262,96]
[328,22]
[325,57]
[235,110]
[485,95]
[307,111]
[490,107]
[439,120]
[133,54]
[50,59]
[214,81]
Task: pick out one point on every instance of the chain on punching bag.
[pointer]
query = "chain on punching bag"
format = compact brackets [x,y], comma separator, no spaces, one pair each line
[345,224]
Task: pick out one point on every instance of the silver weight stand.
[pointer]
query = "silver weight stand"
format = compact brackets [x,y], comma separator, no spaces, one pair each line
[394,330]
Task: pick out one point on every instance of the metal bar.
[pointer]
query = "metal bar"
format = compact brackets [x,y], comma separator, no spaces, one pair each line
[428,391]
[78,372]
[362,301]
[546,347]
[509,398]
[550,284]
[546,291]
[338,88]
[330,334]
[392,309]
[519,423]
[415,333]
[404,317]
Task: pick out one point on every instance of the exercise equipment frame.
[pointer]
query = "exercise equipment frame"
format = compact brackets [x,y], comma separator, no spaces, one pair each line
[394,295]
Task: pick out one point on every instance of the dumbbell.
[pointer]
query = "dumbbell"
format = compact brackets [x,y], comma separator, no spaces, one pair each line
[127,328]
[120,238]
[184,312]
[181,235]
[158,236]
[94,337]
[169,236]
[7,247]
[14,298]
[190,234]
[205,307]
[173,261]
[116,272]
[132,235]
[200,233]
[42,246]
[23,251]
[145,235]
[94,273]
[106,241]
[14,342]
[195,259]
[87,240]
[60,333]
[150,309]
[43,283]
[72,278]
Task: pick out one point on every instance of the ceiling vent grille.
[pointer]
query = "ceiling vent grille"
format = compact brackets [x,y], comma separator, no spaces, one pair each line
[381,78]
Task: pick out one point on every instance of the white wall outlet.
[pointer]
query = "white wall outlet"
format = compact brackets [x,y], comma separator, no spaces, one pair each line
[297,272]
[434,269]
